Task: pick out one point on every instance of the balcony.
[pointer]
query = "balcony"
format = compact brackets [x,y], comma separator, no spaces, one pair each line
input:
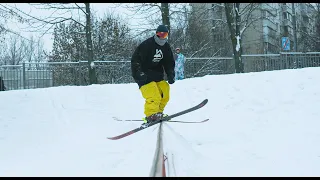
[269,23]
[267,38]
[271,9]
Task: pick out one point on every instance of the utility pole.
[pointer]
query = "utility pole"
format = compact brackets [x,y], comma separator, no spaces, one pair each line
[294,23]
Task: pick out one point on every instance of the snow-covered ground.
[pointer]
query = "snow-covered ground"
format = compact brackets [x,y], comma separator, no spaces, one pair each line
[261,124]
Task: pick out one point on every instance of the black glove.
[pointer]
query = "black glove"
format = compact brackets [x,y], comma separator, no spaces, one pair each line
[171,81]
[143,78]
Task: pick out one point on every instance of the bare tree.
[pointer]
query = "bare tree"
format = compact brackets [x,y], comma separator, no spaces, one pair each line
[92,72]
[40,55]
[232,20]
[31,48]
[110,36]
[16,50]
[165,15]
[8,16]
[62,12]
[179,24]
[238,21]
[206,31]
[154,14]
[3,54]
[309,28]
[317,28]
[147,12]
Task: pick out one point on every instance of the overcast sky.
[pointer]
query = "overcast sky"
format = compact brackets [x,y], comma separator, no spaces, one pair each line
[99,8]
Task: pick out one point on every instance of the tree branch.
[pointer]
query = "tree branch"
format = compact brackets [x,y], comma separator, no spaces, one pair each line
[51,20]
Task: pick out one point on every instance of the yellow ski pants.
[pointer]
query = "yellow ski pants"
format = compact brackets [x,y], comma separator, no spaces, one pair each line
[156,95]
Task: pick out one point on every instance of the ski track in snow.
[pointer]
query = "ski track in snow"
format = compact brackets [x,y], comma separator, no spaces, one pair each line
[261,124]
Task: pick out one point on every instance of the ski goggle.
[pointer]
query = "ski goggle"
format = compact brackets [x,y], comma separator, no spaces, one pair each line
[162,35]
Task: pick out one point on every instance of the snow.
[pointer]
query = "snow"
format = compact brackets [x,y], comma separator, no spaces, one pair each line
[261,124]
[237,10]
[242,30]
[238,43]
[92,65]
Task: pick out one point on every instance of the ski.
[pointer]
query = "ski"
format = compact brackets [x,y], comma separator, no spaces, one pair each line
[126,120]
[204,102]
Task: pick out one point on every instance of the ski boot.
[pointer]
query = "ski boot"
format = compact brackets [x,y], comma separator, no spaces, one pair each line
[165,115]
[149,119]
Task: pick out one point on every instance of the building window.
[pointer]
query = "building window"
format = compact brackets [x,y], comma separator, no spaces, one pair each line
[284,14]
[271,48]
[267,14]
[285,29]
[272,33]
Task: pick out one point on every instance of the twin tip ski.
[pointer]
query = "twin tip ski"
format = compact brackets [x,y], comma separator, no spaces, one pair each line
[127,120]
[204,102]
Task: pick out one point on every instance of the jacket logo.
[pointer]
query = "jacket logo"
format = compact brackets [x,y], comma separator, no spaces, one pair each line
[157,56]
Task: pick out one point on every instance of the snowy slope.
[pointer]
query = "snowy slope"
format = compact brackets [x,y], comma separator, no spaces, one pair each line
[261,124]
[62,132]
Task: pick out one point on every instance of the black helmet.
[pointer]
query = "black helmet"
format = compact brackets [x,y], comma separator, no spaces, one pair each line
[162,28]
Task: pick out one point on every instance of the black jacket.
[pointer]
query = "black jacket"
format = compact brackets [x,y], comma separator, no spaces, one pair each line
[150,60]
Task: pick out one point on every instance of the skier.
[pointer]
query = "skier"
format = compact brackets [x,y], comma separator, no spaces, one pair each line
[180,59]
[148,63]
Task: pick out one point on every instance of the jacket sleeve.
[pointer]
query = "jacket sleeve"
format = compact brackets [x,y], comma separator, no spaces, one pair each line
[136,68]
[169,64]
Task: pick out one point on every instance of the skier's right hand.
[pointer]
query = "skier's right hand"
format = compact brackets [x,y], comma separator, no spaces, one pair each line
[143,78]
[171,81]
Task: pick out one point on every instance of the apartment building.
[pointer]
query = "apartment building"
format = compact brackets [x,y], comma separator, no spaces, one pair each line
[269,22]
[212,18]
[263,34]
[306,26]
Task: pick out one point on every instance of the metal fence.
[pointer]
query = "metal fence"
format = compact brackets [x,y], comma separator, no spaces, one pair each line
[271,62]
[40,75]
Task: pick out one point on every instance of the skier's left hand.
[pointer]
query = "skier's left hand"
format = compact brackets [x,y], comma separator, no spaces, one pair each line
[171,81]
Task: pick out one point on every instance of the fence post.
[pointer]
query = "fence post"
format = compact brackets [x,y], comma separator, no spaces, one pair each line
[79,74]
[24,75]
[52,77]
